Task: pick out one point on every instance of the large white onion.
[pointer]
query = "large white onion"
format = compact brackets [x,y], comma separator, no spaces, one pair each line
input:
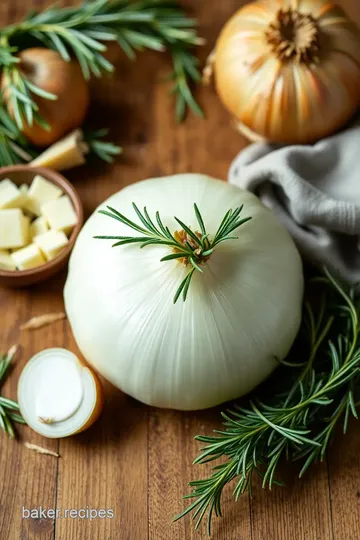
[240,315]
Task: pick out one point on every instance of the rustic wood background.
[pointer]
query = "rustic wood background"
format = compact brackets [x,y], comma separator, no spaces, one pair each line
[137,460]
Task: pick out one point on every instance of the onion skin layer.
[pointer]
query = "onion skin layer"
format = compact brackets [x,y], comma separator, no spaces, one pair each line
[289,101]
[99,404]
[46,69]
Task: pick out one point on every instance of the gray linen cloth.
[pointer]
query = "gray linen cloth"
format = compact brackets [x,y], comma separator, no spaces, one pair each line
[315,192]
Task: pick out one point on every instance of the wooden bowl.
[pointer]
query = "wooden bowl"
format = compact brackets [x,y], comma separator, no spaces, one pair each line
[23,174]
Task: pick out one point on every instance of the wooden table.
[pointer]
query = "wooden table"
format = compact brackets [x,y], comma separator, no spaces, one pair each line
[137,460]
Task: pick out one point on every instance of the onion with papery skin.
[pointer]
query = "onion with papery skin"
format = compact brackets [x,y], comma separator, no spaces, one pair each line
[240,316]
[289,71]
[46,69]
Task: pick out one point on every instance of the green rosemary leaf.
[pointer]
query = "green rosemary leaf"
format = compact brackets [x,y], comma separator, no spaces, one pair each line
[130,241]
[200,220]
[147,224]
[9,403]
[195,265]
[101,149]
[180,290]
[40,91]
[173,256]
[189,232]
[16,418]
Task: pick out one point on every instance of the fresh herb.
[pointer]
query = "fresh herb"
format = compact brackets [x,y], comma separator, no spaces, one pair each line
[298,421]
[14,147]
[191,248]
[9,410]
[83,31]
[102,149]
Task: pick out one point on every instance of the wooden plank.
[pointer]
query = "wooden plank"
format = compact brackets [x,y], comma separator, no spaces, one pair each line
[344,468]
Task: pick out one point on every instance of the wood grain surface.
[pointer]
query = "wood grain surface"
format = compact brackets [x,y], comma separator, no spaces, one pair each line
[137,460]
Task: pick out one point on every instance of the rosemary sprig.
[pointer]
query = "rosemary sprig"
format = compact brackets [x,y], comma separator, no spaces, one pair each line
[9,409]
[14,147]
[192,248]
[83,32]
[298,421]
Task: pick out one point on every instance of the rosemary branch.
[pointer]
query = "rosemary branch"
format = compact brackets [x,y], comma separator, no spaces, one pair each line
[192,248]
[83,31]
[9,409]
[298,420]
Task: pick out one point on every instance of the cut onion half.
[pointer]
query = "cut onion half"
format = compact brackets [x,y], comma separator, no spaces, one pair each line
[59,395]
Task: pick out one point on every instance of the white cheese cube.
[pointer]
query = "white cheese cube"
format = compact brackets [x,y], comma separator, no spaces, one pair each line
[30,206]
[60,214]
[42,191]
[51,243]
[10,196]
[6,262]
[38,226]
[14,229]
[23,190]
[28,257]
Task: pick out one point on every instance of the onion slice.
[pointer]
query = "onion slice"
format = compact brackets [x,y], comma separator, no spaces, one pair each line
[58,395]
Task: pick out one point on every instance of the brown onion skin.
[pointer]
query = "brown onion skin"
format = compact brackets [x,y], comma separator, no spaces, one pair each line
[99,403]
[46,69]
[281,101]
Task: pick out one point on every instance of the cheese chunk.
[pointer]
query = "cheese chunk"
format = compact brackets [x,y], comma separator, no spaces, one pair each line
[38,226]
[51,243]
[42,191]
[6,262]
[30,206]
[14,229]
[28,257]
[60,214]
[10,196]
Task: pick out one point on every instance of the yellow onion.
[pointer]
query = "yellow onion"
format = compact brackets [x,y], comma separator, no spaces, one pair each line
[46,69]
[289,71]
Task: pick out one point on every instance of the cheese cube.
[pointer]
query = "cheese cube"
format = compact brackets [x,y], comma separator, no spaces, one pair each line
[10,196]
[6,262]
[60,214]
[23,190]
[31,207]
[28,257]
[51,243]
[14,229]
[38,226]
[42,191]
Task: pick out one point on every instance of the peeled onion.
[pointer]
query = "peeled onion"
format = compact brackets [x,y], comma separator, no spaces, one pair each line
[241,314]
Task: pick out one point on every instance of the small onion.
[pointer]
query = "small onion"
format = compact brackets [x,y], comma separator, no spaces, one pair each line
[46,69]
[289,71]
[240,317]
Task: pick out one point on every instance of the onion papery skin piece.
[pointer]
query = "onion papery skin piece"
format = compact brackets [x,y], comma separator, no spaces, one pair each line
[241,314]
[286,99]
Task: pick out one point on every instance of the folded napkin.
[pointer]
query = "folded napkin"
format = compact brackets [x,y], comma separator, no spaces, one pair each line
[315,192]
